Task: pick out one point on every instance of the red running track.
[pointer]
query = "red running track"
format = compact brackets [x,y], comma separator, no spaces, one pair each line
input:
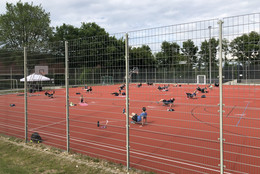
[182,141]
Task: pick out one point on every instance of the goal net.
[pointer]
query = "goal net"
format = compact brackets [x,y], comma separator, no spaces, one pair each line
[107,80]
[201,79]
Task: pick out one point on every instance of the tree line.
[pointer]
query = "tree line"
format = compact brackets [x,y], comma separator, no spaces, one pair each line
[28,25]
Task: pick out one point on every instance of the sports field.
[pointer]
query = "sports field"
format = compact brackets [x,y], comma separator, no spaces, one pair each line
[182,141]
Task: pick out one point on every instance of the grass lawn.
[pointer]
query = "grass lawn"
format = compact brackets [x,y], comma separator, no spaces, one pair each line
[16,157]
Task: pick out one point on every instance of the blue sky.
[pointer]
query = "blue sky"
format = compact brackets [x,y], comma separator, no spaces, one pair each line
[128,15]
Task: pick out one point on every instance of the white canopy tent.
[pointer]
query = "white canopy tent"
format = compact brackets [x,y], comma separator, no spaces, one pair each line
[35,81]
[35,78]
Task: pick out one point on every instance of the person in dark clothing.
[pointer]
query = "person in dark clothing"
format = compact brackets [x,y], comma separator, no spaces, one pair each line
[122,87]
[49,94]
[192,95]
[89,89]
[168,103]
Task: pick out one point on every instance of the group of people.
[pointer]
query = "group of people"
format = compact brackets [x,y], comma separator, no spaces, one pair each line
[199,89]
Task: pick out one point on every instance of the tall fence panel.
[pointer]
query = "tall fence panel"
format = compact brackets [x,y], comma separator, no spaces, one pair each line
[174,96]
[46,95]
[180,136]
[97,124]
[11,94]
[241,97]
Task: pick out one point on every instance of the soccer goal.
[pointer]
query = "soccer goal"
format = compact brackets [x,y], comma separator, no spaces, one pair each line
[107,80]
[201,79]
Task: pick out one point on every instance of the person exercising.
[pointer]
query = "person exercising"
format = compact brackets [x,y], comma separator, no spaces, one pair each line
[139,118]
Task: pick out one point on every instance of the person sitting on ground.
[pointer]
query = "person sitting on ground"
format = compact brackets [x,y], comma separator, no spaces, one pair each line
[139,85]
[149,83]
[122,87]
[89,89]
[160,88]
[139,118]
[210,86]
[216,84]
[81,99]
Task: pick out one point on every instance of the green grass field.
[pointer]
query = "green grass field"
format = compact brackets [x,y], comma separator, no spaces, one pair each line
[16,157]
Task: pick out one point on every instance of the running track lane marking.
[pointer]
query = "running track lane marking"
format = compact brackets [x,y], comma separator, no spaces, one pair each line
[242,114]
[142,154]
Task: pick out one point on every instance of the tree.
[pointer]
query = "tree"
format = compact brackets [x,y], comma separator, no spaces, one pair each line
[24,25]
[169,55]
[141,57]
[65,32]
[246,49]
[189,50]
[204,54]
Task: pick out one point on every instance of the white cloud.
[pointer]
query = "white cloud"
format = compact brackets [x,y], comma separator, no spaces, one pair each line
[127,15]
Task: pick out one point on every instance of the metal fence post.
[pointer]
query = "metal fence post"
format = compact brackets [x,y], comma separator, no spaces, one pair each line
[75,76]
[220,99]
[93,82]
[67,94]
[25,96]
[155,74]
[127,102]
[11,77]
[146,75]
[210,54]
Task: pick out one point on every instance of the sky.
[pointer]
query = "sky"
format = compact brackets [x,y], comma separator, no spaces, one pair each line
[118,16]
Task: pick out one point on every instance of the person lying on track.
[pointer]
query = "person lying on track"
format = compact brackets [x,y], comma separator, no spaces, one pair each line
[203,90]
[115,93]
[192,95]
[168,103]
[164,88]
[49,94]
[139,85]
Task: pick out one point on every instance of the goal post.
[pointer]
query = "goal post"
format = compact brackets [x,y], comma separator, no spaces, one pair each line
[107,80]
[201,79]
